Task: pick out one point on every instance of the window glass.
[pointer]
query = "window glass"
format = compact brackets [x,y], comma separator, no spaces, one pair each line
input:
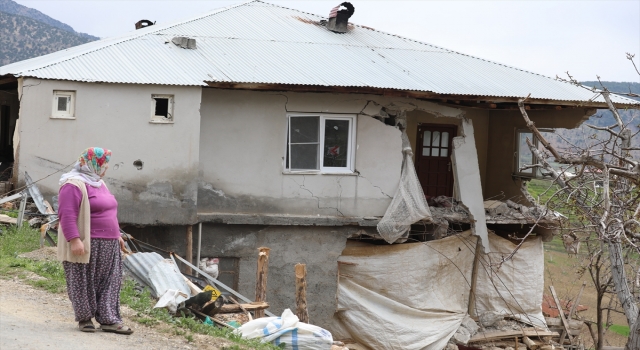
[320,143]
[435,152]
[304,129]
[436,139]
[445,139]
[336,143]
[426,138]
[525,157]
[426,151]
[304,156]
[444,152]
[62,103]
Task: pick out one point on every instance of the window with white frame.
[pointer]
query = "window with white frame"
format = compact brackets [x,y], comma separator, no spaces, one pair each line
[162,108]
[63,105]
[322,143]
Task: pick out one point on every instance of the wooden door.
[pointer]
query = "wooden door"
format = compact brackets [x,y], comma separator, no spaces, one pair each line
[433,159]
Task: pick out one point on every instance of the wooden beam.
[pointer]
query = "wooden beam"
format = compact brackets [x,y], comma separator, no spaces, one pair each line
[189,249]
[565,323]
[237,308]
[301,293]
[261,277]
[474,279]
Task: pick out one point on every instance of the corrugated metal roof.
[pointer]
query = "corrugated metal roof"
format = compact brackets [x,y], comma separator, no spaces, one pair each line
[257,42]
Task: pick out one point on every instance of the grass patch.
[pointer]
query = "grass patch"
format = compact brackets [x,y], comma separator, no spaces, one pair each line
[620,329]
[15,241]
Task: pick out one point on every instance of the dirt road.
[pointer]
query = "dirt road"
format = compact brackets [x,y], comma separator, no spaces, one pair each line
[35,319]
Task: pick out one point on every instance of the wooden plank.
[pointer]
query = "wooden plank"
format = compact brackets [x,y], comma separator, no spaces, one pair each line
[528,332]
[189,250]
[261,277]
[564,320]
[236,308]
[575,302]
[474,279]
[301,293]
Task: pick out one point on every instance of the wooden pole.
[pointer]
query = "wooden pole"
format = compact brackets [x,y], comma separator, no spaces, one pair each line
[565,331]
[474,279]
[261,277]
[577,300]
[189,250]
[301,293]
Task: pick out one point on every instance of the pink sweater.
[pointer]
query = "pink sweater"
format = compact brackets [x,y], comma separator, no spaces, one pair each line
[104,212]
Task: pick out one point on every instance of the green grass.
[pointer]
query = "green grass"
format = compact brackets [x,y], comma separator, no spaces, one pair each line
[15,241]
[620,329]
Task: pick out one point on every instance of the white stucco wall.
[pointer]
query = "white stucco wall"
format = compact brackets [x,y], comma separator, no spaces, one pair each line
[242,142]
[116,116]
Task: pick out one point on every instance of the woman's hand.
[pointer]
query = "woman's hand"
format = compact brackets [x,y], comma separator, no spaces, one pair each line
[122,247]
[77,247]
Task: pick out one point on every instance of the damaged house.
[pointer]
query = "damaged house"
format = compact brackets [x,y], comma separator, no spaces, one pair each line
[278,128]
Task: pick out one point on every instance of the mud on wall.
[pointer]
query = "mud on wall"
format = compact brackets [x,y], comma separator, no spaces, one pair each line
[153,169]
[317,247]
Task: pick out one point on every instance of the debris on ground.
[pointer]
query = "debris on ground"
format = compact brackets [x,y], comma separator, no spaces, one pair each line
[287,330]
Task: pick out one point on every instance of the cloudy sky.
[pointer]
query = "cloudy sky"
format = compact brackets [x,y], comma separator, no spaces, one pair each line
[586,38]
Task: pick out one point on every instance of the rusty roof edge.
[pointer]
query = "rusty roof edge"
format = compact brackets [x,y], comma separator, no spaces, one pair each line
[424,94]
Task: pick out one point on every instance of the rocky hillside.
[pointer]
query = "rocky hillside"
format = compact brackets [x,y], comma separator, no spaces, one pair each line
[22,38]
[12,7]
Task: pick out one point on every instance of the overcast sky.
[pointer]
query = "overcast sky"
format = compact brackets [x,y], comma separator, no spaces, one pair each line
[587,38]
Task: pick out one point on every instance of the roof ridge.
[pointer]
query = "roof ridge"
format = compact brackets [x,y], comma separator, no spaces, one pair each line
[413,40]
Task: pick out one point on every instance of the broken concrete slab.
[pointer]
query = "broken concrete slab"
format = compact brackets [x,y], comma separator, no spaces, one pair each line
[467,178]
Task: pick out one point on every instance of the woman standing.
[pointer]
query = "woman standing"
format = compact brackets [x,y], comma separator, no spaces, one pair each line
[89,243]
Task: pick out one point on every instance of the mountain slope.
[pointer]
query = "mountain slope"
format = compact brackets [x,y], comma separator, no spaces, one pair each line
[11,7]
[22,38]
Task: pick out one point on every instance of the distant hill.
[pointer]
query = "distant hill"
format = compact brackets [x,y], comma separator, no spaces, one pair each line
[12,7]
[22,38]
[584,135]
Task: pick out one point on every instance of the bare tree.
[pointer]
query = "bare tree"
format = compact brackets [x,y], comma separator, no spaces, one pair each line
[604,197]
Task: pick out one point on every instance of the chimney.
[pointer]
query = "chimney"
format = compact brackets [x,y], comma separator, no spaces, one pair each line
[339,17]
[184,42]
[144,23]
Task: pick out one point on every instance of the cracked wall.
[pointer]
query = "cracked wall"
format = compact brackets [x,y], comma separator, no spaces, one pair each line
[116,116]
[317,247]
[243,140]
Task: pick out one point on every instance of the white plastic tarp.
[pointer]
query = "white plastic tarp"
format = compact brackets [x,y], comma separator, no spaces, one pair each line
[404,296]
[415,295]
[516,287]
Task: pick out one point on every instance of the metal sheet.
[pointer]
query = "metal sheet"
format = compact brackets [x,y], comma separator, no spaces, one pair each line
[257,42]
[155,272]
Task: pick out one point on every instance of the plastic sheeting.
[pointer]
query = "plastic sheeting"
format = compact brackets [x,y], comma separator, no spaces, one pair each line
[404,296]
[408,205]
[415,295]
[516,287]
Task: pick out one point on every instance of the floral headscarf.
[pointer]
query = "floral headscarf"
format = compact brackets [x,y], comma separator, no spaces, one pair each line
[90,167]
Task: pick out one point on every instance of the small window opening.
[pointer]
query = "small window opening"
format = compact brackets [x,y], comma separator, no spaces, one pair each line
[162,107]
[63,104]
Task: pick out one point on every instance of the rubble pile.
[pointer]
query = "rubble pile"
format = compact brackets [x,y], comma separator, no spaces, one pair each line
[512,212]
